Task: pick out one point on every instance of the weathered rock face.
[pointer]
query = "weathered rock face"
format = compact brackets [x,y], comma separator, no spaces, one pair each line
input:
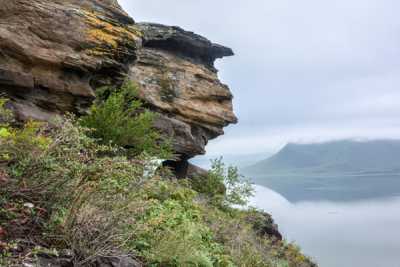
[55,53]
[176,75]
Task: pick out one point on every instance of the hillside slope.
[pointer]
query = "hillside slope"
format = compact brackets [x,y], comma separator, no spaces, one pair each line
[338,157]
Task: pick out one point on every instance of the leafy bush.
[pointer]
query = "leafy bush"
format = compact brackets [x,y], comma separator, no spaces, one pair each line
[84,195]
[172,234]
[224,185]
[118,117]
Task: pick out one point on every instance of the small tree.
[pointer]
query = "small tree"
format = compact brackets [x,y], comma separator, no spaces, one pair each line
[224,185]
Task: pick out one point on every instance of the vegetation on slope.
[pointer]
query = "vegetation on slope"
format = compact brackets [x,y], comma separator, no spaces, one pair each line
[92,192]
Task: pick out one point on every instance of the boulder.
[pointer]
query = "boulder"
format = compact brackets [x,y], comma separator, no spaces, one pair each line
[264,225]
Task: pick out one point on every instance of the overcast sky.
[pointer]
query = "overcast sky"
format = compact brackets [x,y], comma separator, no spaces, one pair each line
[304,70]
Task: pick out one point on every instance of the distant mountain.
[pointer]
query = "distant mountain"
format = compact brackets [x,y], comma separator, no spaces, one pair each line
[332,158]
[239,161]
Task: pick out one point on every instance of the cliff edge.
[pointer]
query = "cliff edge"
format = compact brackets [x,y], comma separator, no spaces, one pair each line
[55,54]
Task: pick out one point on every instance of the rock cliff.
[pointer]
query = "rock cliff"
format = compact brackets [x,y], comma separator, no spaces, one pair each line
[54,54]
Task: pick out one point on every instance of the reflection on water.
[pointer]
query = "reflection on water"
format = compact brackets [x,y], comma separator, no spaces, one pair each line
[333,188]
[339,234]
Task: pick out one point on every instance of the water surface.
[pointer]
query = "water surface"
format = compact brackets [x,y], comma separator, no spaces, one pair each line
[298,188]
[357,233]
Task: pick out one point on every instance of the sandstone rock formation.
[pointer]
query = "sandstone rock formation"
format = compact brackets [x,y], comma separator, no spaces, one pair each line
[55,53]
[176,75]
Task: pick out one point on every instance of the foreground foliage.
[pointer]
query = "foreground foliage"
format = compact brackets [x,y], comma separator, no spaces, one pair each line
[60,188]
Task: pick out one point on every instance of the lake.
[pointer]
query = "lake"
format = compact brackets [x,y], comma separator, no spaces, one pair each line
[337,232]
[297,188]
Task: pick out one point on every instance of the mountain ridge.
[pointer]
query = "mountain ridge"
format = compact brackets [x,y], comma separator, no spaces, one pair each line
[345,157]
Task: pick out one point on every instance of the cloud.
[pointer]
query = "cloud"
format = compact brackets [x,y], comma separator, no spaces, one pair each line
[303,70]
[269,140]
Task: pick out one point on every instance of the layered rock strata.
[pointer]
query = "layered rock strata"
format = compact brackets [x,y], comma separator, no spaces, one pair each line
[176,76]
[55,53]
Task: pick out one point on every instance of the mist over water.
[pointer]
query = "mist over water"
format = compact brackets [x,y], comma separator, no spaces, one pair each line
[363,233]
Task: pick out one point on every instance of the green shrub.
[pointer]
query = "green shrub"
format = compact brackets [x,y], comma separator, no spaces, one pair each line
[171,233]
[118,117]
[85,196]
[224,185]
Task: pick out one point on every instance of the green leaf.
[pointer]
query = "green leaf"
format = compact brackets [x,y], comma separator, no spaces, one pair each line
[4,133]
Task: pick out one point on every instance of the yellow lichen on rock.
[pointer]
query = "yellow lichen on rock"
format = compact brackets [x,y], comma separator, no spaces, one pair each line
[106,33]
[101,36]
